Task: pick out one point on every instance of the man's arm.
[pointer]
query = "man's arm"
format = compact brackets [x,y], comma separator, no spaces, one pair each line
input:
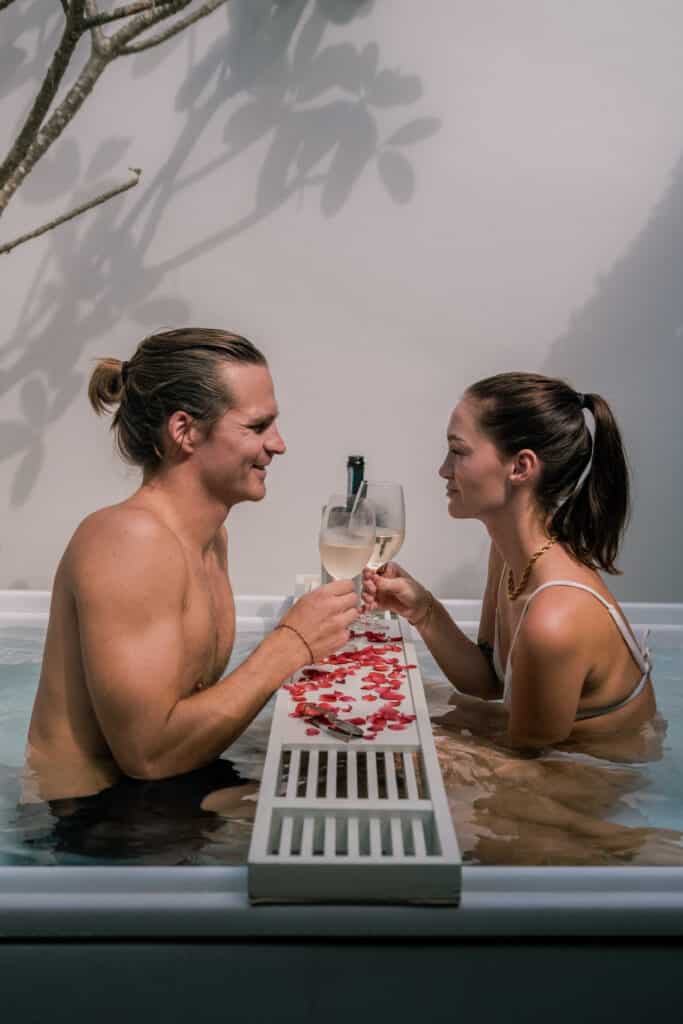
[129,585]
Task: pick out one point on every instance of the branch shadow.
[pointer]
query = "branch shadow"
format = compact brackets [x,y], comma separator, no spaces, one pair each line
[316,108]
[20,64]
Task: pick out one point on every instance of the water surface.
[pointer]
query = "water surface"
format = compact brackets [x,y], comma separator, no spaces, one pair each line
[564,808]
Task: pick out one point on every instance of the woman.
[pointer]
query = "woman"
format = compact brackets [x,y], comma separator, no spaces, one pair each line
[543,468]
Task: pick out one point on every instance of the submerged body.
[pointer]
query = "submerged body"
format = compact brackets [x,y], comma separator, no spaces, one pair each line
[554,808]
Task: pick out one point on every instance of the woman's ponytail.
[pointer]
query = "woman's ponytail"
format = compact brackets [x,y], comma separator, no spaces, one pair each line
[592,520]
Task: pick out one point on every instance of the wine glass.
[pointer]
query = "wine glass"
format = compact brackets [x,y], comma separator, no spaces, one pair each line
[347,535]
[390,514]
[390,519]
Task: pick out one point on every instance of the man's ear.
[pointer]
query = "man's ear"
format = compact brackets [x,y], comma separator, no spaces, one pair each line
[182,432]
[525,467]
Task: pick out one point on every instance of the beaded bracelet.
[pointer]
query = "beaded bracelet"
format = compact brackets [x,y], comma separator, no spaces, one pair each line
[430,605]
[285,625]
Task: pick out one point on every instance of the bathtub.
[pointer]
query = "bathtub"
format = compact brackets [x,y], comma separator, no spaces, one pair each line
[120,942]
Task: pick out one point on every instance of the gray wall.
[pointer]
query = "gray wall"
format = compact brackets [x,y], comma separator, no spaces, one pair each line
[392,200]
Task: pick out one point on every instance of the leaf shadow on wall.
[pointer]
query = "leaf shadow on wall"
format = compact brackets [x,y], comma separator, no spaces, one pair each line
[626,343]
[316,108]
[19,63]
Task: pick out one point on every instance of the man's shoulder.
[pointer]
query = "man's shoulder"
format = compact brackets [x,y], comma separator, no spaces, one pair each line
[123,521]
[125,539]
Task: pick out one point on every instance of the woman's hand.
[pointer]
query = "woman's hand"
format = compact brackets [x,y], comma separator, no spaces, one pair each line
[393,589]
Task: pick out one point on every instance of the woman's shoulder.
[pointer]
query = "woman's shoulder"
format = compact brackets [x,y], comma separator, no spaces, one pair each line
[565,576]
[564,604]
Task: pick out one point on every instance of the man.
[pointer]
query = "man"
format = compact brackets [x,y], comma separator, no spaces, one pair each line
[142,619]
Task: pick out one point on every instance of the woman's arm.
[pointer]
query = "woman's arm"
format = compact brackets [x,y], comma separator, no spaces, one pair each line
[486,637]
[467,665]
[463,662]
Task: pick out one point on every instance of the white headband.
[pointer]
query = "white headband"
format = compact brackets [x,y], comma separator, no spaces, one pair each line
[590,424]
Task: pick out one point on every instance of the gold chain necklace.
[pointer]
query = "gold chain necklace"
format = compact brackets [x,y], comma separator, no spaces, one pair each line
[515,591]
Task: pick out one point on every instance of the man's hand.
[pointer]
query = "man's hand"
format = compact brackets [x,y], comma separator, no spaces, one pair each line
[324,616]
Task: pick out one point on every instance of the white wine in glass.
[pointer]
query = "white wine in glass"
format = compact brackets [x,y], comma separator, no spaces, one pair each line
[390,530]
[390,513]
[387,544]
[347,536]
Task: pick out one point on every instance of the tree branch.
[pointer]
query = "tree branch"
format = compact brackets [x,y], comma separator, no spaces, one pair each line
[36,137]
[96,18]
[100,42]
[140,22]
[47,91]
[44,138]
[179,25]
[76,212]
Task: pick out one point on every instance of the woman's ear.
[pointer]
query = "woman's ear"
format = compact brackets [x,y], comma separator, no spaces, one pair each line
[526,467]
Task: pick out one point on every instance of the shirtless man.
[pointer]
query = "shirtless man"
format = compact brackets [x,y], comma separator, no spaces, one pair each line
[142,620]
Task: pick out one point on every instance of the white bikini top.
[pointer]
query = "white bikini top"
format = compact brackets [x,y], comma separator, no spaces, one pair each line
[640,655]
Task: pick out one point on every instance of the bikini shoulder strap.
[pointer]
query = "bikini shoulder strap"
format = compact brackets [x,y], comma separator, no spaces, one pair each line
[640,657]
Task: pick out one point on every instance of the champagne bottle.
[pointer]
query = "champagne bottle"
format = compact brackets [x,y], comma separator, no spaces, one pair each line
[355,472]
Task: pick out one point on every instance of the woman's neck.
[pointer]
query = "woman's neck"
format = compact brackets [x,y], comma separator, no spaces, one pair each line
[517,537]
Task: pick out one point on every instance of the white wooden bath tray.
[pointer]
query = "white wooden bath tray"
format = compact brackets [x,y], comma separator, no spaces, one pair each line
[354,820]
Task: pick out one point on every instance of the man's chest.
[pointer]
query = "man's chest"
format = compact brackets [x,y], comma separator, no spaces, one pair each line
[209,624]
